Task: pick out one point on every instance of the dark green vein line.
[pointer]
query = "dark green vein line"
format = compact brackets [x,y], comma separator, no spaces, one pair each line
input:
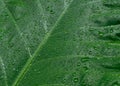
[4,71]
[28,64]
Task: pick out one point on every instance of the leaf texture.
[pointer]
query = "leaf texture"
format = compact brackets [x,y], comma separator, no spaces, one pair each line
[23,25]
[59,43]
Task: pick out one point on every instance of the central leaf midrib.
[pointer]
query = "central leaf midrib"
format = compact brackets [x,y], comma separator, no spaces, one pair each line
[29,61]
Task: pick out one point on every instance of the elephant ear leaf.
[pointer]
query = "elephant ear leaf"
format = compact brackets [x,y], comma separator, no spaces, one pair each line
[59,43]
[23,26]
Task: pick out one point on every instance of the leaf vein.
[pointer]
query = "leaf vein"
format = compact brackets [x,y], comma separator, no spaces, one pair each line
[17,28]
[43,15]
[30,60]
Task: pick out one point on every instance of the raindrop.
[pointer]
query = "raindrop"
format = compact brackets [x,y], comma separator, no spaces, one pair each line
[74,74]
[83,84]
[90,52]
[84,59]
[100,33]
[75,79]
[95,48]
[52,12]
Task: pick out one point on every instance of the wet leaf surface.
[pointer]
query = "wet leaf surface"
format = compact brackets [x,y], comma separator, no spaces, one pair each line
[59,43]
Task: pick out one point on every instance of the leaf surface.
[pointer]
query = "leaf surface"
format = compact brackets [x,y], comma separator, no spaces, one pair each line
[23,26]
[60,43]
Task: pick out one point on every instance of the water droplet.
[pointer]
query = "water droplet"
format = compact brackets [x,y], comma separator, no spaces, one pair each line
[95,48]
[52,12]
[90,51]
[101,34]
[74,74]
[84,59]
[75,79]
[83,84]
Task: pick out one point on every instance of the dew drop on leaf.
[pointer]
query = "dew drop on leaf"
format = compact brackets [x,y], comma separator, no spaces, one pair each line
[74,74]
[75,79]
[95,48]
[84,59]
[52,12]
[101,34]
[90,52]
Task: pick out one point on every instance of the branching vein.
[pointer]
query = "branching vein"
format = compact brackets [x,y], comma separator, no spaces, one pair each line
[17,28]
[30,60]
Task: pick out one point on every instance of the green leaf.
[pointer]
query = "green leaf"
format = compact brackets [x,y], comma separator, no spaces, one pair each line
[59,43]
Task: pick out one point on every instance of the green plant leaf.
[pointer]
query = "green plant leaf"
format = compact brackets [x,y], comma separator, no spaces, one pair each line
[59,43]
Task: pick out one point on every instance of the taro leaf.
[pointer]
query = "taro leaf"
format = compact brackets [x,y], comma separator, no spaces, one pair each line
[60,43]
